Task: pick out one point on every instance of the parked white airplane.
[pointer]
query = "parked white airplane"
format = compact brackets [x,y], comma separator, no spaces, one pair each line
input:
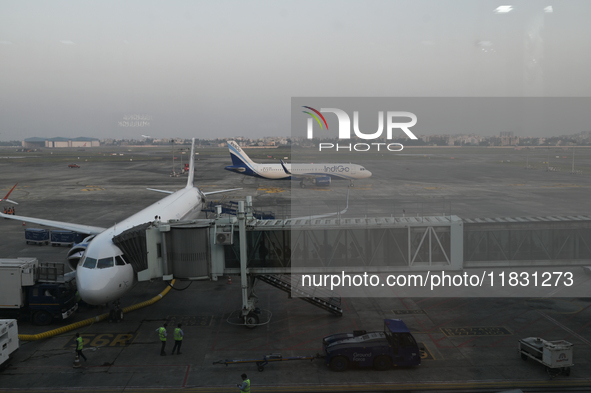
[319,174]
[102,273]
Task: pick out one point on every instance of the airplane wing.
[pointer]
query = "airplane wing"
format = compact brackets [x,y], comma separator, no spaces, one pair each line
[217,192]
[164,191]
[327,214]
[87,229]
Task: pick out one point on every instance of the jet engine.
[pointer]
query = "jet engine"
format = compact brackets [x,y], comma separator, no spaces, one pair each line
[323,181]
[76,252]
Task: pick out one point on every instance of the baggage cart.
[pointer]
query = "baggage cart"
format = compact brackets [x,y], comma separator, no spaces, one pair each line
[557,356]
[37,236]
[62,238]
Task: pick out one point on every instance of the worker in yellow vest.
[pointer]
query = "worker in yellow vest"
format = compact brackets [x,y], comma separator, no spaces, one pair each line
[178,339]
[162,335]
[79,346]
[245,385]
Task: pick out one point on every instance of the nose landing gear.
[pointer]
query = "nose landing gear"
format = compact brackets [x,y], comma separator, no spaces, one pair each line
[116,313]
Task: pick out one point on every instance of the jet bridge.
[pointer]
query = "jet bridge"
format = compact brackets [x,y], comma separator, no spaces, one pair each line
[270,250]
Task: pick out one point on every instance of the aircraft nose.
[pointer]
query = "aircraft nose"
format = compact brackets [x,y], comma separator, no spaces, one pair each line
[368,173]
[100,286]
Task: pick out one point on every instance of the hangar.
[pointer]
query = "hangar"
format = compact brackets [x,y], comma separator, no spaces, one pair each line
[37,142]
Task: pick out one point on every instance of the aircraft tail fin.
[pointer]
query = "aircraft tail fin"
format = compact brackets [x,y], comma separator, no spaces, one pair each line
[191,165]
[5,199]
[239,157]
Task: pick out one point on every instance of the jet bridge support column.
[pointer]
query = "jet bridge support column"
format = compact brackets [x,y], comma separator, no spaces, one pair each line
[249,311]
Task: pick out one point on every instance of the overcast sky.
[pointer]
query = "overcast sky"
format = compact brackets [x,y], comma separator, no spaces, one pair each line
[229,68]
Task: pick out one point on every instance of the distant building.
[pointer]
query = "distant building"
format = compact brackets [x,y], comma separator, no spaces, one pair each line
[508,139]
[60,142]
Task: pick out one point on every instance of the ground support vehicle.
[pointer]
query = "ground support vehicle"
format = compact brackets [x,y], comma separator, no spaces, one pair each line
[557,356]
[8,341]
[73,166]
[65,238]
[37,236]
[24,293]
[395,346]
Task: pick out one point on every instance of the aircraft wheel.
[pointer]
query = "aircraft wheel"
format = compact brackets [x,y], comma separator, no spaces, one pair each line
[339,363]
[382,363]
[42,318]
[251,320]
[302,185]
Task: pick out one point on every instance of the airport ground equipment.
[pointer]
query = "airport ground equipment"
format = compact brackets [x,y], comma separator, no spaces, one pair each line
[319,297]
[9,343]
[37,236]
[27,288]
[272,358]
[557,356]
[65,238]
[395,346]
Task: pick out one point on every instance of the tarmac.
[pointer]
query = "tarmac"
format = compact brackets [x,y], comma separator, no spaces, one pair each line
[470,343]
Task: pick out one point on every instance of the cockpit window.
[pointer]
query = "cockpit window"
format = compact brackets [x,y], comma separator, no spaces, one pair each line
[105,263]
[89,263]
[119,261]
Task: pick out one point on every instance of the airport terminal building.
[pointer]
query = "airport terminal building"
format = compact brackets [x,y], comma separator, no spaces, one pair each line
[37,142]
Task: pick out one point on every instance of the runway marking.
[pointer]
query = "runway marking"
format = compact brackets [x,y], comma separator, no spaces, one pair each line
[434,188]
[93,188]
[271,190]
[115,340]
[476,331]
[425,354]
[548,317]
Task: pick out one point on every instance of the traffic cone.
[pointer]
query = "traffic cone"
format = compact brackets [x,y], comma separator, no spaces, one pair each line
[23,223]
[76,362]
[229,280]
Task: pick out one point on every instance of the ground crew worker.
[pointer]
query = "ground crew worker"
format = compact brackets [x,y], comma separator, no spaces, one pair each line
[79,346]
[245,386]
[162,335]
[178,339]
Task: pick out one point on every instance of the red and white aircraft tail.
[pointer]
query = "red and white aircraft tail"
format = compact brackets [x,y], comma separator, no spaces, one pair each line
[5,199]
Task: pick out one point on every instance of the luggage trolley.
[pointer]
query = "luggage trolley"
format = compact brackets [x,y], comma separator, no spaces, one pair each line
[557,356]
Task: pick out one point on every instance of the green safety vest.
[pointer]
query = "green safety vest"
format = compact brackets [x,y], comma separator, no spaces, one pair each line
[247,388]
[79,346]
[177,334]
[161,334]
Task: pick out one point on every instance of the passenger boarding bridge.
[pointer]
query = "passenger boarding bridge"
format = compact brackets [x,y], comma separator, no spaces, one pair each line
[269,250]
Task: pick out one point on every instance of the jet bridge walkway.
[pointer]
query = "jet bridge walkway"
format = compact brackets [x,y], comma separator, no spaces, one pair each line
[271,250]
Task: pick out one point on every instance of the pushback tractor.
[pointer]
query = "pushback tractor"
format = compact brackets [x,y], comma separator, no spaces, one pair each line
[395,346]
